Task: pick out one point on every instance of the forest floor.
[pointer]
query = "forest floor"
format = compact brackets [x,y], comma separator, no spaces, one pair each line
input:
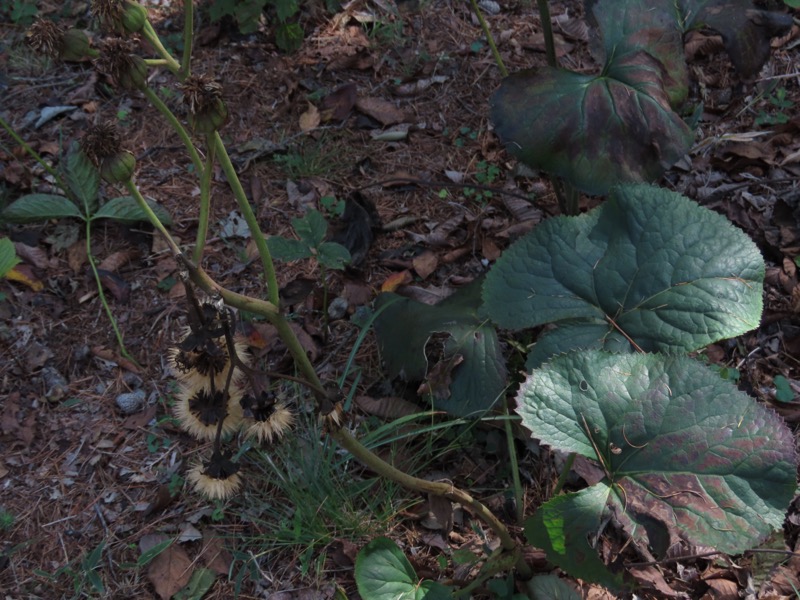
[391,101]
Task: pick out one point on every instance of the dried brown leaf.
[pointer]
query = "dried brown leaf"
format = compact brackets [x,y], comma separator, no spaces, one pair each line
[170,571]
[425,264]
[381,110]
[310,119]
[386,408]
[337,105]
[214,554]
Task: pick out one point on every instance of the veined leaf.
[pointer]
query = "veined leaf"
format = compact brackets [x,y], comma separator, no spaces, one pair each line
[83,179]
[687,455]
[648,265]
[125,209]
[8,256]
[311,228]
[287,250]
[40,207]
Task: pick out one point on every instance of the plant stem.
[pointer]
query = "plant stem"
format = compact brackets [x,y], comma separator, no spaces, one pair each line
[205,207]
[34,154]
[176,125]
[562,478]
[489,38]
[250,218]
[188,39]
[134,191]
[384,469]
[512,455]
[151,36]
[101,294]
[547,29]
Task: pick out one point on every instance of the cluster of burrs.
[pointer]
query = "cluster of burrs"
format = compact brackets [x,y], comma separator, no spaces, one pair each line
[220,395]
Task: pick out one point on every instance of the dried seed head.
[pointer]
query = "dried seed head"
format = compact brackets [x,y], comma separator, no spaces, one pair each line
[216,479]
[128,70]
[203,99]
[202,356]
[103,146]
[199,411]
[270,418]
[121,16]
[46,37]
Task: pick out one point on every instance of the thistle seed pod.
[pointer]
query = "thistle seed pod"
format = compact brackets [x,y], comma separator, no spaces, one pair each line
[203,99]
[216,479]
[102,145]
[121,16]
[128,70]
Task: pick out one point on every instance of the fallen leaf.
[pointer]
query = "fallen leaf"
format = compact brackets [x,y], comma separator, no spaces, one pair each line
[440,377]
[116,285]
[310,119]
[161,501]
[425,264]
[386,408]
[337,105]
[440,514]
[357,293]
[24,274]
[394,281]
[140,419]
[33,255]
[381,110]
[214,554]
[114,261]
[170,571]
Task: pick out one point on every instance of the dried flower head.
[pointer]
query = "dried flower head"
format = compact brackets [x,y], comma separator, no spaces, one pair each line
[199,412]
[216,479]
[46,37]
[203,99]
[201,356]
[103,146]
[121,16]
[332,417]
[128,70]
[266,417]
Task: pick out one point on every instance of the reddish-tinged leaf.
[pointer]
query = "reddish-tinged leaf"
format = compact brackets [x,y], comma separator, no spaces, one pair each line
[395,280]
[386,408]
[425,264]
[381,110]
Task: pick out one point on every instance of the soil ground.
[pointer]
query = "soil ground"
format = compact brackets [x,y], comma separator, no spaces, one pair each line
[78,474]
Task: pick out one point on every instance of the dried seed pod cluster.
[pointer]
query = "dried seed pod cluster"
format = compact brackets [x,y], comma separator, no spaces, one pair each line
[212,367]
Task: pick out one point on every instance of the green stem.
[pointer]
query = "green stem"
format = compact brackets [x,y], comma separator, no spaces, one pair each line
[134,191]
[205,207]
[489,38]
[34,154]
[547,29]
[250,218]
[188,38]
[447,490]
[101,294]
[512,455]
[151,36]
[176,125]
[562,478]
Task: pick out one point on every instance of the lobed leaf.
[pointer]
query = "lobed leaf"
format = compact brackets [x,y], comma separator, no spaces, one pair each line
[686,454]
[648,264]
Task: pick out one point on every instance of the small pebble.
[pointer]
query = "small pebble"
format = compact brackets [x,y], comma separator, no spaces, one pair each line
[131,402]
[337,308]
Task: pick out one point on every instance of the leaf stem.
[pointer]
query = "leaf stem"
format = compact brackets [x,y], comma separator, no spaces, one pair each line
[205,206]
[562,478]
[250,218]
[512,455]
[489,38]
[151,36]
[547,29]
[188,39]
[31,152]
[176,125]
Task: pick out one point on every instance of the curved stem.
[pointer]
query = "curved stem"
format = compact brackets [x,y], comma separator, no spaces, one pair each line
[562,478]
[384,469]
[151,36]
[134,191]
[205,207]
[250,218]
[179,129]
[188,38]
[489,38]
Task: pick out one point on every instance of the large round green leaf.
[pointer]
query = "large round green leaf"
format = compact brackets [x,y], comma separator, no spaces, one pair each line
[686,454]
[648,264]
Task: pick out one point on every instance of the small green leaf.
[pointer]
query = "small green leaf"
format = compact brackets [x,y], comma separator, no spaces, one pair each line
[783,390]
[8,256]
[550,587]
[40,207]
[145,558]
[332,255]
[126,209]
[289,36]
[311,228]
[287,250]
[83,179]
[405,327]
[201,581]
[384,573]
[286,9]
